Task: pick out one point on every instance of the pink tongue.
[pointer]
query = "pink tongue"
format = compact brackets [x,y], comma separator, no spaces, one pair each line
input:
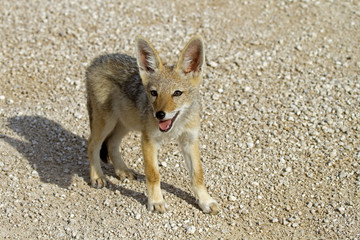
[164,125]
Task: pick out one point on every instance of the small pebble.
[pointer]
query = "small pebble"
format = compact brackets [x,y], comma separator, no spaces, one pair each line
[341,210]
[298,47]
[285,222]
[213,64]
[215,96]
[247,89]
[107,202]
[250,144]
[191,230]
[333,153]
[232,198]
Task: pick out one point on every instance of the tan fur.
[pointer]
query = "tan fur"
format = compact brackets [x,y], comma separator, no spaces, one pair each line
[161,101]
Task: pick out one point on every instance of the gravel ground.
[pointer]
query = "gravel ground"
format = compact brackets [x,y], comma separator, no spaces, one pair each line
[280,138]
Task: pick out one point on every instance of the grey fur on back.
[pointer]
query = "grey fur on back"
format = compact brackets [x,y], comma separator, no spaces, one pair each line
[121,72]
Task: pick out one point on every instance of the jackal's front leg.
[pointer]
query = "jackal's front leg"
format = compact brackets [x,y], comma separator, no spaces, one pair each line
[191,152]
[156,201]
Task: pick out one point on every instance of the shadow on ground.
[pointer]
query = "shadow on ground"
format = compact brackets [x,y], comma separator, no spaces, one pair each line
[57,155]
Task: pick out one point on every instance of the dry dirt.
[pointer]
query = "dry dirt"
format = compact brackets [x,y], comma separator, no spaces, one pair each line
[280,138]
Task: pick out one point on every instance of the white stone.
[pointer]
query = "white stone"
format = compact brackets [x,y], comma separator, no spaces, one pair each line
[213,64]
[215,96]
[191,230]
[341,210]
[232,198]
[250,144]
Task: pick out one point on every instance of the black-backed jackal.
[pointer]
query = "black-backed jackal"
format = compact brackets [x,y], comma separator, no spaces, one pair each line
[161,101]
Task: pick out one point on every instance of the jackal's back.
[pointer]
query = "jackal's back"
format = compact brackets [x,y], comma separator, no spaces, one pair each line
[113,81]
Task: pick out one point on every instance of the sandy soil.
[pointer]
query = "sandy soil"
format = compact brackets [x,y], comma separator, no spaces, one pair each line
[280,138]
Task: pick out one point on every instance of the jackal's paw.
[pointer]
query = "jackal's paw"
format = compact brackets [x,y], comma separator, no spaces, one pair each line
[98,182]
[158,207]
[210,206]
[127,173]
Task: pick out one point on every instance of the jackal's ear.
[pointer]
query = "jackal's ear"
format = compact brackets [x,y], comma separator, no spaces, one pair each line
[147,58]
[192,57]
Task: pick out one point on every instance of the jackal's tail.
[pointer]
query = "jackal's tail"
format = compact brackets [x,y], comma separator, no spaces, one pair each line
[104,155]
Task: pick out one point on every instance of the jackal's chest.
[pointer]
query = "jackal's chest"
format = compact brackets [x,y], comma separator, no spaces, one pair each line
[173,134]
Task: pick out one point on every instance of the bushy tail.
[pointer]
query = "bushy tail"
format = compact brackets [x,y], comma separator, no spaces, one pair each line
[104,155]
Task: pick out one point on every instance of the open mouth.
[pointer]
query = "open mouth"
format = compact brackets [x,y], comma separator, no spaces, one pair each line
[166,125]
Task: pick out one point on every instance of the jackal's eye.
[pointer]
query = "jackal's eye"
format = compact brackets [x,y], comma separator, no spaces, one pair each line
[177,93]
[153,93]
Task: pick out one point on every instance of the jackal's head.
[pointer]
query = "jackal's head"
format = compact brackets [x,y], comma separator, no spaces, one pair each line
[171,90]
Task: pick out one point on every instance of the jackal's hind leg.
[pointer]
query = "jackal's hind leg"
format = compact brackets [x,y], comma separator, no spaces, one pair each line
[113,143]
[100,129]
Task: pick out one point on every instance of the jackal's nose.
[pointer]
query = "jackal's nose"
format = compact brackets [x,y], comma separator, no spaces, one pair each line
[160,115]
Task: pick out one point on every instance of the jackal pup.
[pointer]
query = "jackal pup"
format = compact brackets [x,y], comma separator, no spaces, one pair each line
[161,101]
